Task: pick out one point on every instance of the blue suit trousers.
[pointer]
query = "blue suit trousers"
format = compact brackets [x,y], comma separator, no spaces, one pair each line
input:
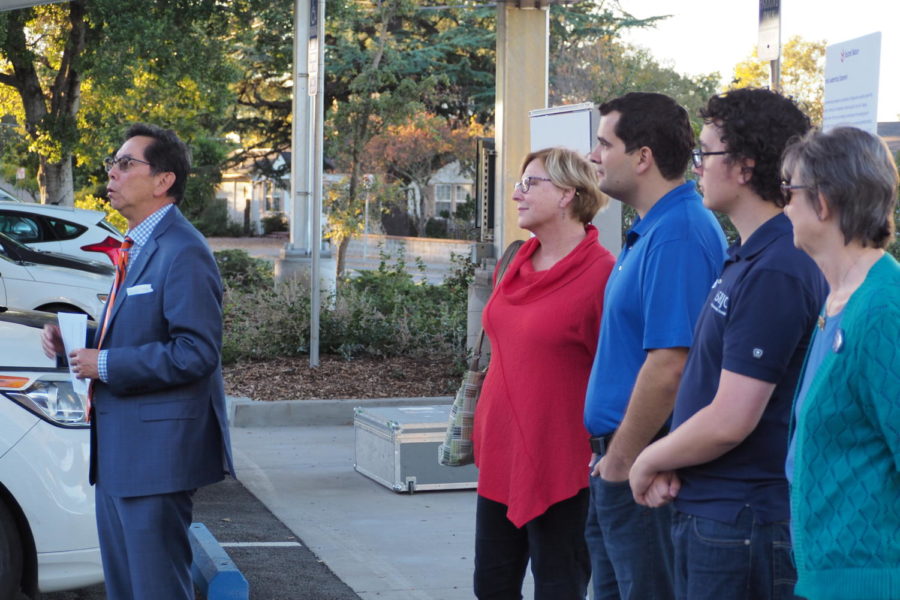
[146,545]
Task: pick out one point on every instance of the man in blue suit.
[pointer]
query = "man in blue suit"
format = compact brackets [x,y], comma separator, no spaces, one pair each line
[158,426]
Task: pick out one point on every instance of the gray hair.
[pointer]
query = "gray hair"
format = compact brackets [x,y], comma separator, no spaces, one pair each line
[855,173]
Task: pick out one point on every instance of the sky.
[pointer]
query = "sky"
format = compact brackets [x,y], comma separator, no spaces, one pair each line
[704,36]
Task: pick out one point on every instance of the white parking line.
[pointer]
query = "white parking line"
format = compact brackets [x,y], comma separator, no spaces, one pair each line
[261,545]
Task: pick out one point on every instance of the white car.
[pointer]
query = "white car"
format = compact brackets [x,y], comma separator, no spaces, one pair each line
[48,530]
[33,280]
[81,233]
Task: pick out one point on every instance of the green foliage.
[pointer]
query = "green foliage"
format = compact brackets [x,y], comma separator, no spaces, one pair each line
[377,313]
[87,69]
[802,75]
[113,216]
[265,321]
[894,248]
[212,220]
[609,68]
[274,222]
[241,271]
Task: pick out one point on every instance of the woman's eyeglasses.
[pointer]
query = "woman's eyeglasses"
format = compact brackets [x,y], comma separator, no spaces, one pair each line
[529,180]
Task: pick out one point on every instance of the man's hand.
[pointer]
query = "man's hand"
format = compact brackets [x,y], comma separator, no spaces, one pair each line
[610,470]
[651,487]
[663,489]
[51,341]
[84,363]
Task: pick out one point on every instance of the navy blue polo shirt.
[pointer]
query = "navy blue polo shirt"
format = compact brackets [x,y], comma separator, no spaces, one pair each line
[653,296]
[756,322]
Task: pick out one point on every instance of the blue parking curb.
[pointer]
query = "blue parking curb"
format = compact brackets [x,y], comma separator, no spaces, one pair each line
[212,570]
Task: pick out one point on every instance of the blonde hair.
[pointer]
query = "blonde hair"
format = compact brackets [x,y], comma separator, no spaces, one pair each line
[568,169]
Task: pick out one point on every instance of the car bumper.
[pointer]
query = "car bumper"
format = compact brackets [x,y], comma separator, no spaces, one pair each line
[46,472]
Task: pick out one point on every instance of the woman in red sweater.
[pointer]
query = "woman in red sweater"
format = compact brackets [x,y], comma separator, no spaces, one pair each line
[531,446]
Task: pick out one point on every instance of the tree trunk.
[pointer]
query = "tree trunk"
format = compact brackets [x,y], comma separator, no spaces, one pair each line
[49,113]
[56,184]
[341,255]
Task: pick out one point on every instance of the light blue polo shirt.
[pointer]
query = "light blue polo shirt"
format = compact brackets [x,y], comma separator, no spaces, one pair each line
[670,260]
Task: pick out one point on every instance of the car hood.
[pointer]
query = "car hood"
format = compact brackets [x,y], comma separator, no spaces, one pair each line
[58,259]
[72,277]
[20,331]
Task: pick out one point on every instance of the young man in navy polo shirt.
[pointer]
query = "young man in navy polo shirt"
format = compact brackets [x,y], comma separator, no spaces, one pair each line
[723,463]
[672,255]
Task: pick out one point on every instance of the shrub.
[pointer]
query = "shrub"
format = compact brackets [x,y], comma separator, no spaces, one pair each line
[211,219]
[266,322]
[378,313]
[240,270]
[274,222]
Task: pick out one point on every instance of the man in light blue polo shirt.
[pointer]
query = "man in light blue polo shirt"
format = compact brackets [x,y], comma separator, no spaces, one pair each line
[671,258]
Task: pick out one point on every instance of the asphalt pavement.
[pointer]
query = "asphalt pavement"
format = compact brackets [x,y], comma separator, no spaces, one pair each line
[275,562]
[300,523]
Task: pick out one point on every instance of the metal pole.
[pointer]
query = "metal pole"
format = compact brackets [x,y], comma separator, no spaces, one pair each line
[316,221]
[366,229]
[775,70]
[300,180]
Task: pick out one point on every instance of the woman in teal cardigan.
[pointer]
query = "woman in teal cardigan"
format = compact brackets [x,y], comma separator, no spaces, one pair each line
[844,456]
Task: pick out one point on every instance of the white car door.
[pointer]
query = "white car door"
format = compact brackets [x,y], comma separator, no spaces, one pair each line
[27,229]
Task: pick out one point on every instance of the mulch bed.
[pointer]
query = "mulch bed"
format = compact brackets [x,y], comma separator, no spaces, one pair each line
[335,377]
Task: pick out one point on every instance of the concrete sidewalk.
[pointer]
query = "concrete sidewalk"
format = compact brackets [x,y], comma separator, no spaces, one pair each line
[382,544]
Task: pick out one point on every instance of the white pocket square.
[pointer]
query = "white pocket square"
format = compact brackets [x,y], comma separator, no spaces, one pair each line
[135,290]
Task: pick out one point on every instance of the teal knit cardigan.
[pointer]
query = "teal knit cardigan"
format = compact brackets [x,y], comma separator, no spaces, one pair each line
[845,497]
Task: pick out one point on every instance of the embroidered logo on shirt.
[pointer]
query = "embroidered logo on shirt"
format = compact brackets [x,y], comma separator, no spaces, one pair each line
[757,352]
[720,303]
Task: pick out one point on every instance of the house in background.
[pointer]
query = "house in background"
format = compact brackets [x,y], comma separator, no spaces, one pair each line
[250,195]
[447,189]
[260,186]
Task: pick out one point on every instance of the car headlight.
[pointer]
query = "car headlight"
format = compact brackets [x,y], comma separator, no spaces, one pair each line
[54,401]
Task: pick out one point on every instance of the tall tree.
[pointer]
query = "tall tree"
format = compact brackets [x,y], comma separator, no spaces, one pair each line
[608,68]
[413,150]
[802,74]
[151,57]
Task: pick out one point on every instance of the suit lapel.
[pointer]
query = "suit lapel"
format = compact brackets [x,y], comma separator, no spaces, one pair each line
[137,268]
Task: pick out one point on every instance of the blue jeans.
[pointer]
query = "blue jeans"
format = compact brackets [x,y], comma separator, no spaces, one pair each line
[630,545]
[745,560]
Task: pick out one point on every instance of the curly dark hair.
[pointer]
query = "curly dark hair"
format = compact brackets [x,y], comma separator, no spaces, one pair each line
[657,122]
[757,124]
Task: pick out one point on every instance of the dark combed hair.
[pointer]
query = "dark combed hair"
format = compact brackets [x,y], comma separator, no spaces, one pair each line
[167,153]
[757,124]
[657,122]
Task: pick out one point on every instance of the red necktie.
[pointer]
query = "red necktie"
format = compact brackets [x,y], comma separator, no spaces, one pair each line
[121,268]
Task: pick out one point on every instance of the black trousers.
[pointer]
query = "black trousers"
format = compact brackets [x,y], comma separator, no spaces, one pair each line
[554,542]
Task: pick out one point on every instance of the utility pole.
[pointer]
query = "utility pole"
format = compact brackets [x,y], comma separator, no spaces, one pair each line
[523,49]
[769,44]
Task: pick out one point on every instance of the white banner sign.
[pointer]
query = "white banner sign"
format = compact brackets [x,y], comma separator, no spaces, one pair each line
[851,83]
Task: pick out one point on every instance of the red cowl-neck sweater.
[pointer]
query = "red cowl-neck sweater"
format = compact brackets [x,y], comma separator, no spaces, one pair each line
[531,446]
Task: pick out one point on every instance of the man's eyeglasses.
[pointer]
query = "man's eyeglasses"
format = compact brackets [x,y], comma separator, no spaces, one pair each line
[527,181]
[123,162]
[697,156]
[787,189]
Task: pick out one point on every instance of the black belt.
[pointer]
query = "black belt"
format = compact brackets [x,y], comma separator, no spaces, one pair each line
[600,443]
